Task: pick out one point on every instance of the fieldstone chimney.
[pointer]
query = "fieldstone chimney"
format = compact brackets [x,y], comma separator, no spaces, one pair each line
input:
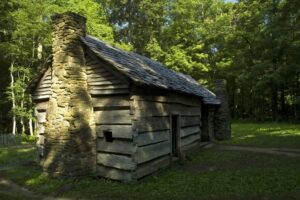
[222,115]
[70,146]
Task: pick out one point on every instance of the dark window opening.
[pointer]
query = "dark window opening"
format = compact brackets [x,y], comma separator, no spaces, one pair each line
[175,129]
[108,136]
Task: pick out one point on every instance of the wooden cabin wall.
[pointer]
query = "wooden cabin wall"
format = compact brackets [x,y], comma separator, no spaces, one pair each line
[41,116]
[152,124]
[43,90]
[41,99]
[110,96]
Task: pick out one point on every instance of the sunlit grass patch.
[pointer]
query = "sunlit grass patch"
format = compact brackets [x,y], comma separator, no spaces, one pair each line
[265,135]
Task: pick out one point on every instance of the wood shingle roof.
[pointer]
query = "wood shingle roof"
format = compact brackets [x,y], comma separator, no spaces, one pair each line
[144,71]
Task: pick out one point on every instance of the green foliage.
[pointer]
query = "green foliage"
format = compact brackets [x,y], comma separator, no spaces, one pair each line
[27,44]
[254,45]
[28,138]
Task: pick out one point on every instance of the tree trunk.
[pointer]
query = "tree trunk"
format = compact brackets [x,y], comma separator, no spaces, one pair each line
[282,102]
[12,93]
[22,105]
[30,126]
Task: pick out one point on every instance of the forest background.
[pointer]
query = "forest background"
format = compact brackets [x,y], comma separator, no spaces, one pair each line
[253,44]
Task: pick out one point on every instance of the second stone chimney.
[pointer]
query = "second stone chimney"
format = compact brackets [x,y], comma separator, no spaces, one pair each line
[70,146]
[222,115]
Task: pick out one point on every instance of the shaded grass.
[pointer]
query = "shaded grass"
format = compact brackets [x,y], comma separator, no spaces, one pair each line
[265,135]
[208,174]
[17,154]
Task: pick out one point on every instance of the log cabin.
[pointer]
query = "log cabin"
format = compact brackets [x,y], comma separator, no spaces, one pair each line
[105,112]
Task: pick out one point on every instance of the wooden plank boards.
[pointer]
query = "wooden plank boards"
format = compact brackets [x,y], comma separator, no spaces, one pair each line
[45,85]
[150,152]
[108,87]
[115,174]
[46,82]
[190,139]
[117,146]
[42,106]
[187,121]
[148,124]
[42,93]
[96,70]
[148,108]
[47,89]
[115,101]
[153,166]
[192,146]
[104,82]
[152,137]
[41,117]
[109,91]
[41,140]
[116,161]
[98,74]
[118,131]
[40,129]
[169,98]
[41,97]
[101,79]
[189,131]
[112,117]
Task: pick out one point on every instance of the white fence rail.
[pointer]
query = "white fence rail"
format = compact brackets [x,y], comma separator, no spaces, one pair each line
[10,140]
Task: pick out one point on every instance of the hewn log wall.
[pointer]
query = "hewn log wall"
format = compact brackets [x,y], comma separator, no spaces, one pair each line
[41,117]
[41,98]
[152,125]
[110,97]
[43,90]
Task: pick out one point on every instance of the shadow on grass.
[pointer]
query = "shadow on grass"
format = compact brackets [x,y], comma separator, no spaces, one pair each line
[209,175]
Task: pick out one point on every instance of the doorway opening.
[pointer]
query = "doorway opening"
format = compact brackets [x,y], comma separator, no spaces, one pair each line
[175,129]
[204,125]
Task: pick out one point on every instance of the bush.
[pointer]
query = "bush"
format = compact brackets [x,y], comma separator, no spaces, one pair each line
[28,138]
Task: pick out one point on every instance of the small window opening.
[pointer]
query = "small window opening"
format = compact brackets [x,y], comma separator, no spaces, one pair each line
[108,136]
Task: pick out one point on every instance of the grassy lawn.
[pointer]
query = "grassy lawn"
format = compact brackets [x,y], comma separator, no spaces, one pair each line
[207,174]
[265,135]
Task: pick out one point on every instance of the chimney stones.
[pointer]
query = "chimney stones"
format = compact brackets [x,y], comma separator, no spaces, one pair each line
[70,148]
[222,114]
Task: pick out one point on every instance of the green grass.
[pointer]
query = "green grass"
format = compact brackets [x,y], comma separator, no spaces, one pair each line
[208,174]
[265,135]
[15,155]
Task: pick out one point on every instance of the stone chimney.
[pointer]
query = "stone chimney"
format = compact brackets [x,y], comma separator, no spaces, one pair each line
[70,146]
[222,115]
